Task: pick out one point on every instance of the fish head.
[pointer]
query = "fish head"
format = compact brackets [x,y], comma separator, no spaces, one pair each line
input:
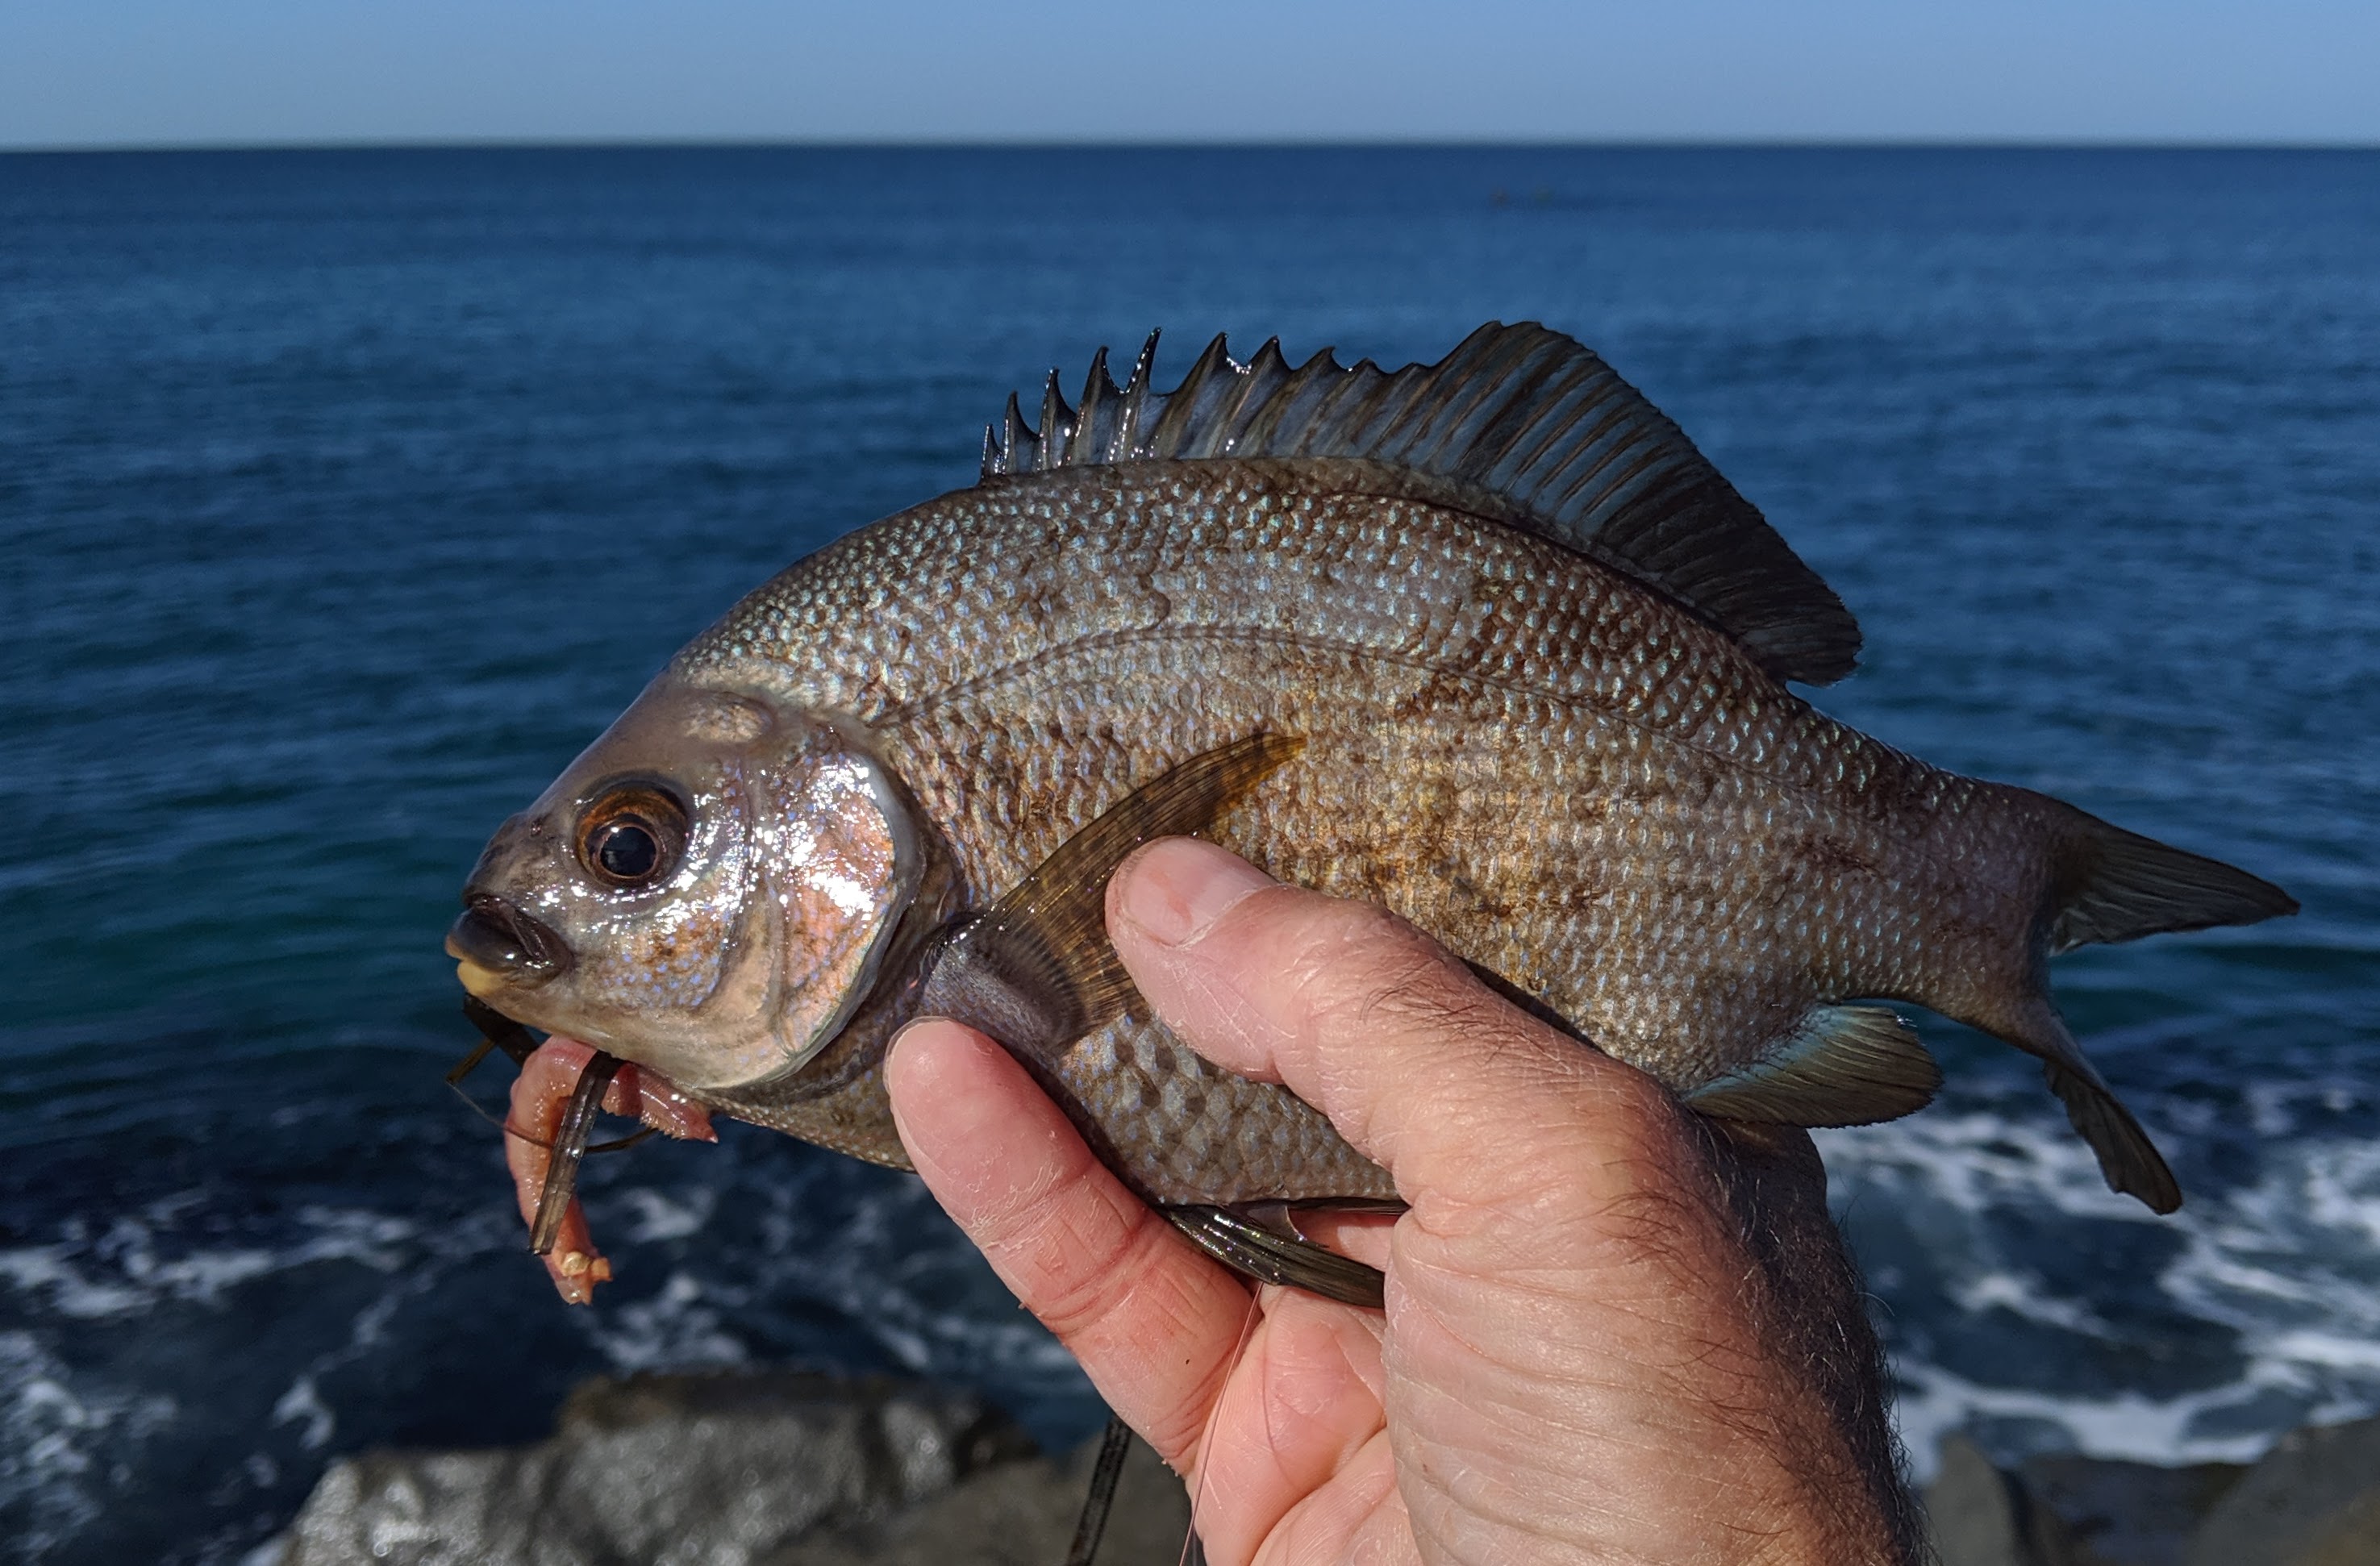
[708,890]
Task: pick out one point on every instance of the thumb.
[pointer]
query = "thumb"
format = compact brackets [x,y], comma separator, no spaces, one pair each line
[1421,1066]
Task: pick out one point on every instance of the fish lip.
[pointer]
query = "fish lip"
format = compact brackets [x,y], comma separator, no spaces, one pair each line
[495,935]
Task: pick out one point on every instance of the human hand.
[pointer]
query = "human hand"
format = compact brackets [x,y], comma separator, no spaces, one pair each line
[1614,1331]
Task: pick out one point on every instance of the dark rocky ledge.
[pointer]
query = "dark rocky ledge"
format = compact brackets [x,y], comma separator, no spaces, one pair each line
[771,1469]
[787,1469]
[2312,1500]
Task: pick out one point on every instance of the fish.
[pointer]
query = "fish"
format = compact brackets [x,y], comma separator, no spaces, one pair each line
[1484,641]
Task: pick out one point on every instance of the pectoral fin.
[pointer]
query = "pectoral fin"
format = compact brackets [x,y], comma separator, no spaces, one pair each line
[1844,1065]
[1036,970]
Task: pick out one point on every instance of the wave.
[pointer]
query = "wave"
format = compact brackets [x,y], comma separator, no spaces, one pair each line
[2023,1303]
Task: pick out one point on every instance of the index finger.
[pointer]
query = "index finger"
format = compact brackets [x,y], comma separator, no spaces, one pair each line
[1150,1317]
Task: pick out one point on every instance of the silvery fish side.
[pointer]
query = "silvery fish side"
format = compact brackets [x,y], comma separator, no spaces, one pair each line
[1531,649]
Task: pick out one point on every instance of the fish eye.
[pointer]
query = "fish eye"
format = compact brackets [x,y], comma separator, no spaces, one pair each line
[632,835]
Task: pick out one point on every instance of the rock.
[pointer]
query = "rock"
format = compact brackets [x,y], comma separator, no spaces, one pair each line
[681,1470]
[786,1469]
[1017,1514]
[2095,1511]
[2313,1500]
[2069,1510]
[1976,1514]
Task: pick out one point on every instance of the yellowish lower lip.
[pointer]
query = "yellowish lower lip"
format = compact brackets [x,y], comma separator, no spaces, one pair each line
[480,982]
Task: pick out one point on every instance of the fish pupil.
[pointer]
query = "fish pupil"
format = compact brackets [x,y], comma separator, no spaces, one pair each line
[628,849]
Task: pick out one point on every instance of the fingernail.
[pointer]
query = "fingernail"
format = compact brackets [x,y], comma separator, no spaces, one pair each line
[1176,891]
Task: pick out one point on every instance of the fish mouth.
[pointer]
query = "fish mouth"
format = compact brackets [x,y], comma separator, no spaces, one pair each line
[499,946]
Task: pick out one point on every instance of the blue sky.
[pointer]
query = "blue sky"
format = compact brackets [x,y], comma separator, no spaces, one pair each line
[146,72]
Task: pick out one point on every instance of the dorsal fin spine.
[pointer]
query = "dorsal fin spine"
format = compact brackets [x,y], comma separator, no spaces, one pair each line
[1181,412]
[1268,378]
[1457,368]
[1086,443]
[1349,388]
[1016,439]
[1365,410]
[1057,424]
[1289,406]
[1249,393]
[1519,424]
[1135,400]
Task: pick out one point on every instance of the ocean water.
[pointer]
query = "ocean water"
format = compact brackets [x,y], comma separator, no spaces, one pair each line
[344,495]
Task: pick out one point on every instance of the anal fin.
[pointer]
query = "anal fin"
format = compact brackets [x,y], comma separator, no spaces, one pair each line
[2128,1160]
[1843,1065]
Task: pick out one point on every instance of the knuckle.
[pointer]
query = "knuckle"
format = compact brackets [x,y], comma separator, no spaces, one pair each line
[1360,968]
[1074,1268]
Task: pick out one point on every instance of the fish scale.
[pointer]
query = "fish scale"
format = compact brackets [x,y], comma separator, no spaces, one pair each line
[1487,643]
[1522,720]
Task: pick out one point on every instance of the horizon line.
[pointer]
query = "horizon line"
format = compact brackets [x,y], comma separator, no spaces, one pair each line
[1292,143]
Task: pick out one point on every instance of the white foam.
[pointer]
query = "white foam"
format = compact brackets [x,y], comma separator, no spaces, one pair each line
[303,1403]
[679,1327]
[2288,1264]
[69,1438]
[133,1265]
[2022,1294]
[666,1216]
[1933,1402]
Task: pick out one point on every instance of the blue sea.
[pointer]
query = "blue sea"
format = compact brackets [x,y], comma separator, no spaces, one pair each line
[344,495]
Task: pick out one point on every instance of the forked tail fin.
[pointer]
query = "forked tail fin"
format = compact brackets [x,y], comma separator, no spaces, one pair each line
[2108,884]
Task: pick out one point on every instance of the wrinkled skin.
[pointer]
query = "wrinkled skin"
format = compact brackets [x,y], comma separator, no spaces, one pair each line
[1614,1333]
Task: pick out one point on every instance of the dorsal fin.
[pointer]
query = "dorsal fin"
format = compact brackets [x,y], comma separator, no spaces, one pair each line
[1521,418]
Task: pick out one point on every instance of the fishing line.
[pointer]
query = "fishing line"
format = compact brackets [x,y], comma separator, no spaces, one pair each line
[498,1031]
[503,1124]
[1192,1551]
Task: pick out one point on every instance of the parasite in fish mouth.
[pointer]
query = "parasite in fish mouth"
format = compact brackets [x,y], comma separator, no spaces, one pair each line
[498,1031]
[569,1146]
[577,1268]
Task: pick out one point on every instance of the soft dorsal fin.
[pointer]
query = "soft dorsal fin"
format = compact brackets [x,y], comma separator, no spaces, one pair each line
[1843,1065]
[1521,418]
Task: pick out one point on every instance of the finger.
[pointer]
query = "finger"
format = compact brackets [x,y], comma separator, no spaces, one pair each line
[1415,1061]
[1156,1324]
[1305,1400]
[1358,1516]
[1359,1236]
[1153,1321]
